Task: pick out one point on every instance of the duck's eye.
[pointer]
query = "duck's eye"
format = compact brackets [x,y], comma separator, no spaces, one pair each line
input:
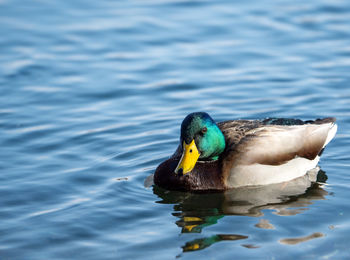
[204,130]
[190,150]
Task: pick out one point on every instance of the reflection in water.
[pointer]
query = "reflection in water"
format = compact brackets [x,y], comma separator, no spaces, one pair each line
[195,211]
[264,224]
[198,244]
[294,241]
[195,224]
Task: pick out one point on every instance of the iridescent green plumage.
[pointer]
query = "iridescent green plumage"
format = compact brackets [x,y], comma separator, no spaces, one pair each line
[208,137]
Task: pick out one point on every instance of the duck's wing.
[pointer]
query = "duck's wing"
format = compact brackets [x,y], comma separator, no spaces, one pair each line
[235,130]
[273,150]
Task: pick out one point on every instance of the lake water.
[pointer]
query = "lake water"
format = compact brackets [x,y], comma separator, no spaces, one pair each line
[92,95]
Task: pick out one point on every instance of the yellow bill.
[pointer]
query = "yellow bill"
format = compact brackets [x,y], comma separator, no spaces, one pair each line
[188,159]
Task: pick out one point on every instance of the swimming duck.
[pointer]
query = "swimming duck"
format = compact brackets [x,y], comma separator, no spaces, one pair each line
[239,153]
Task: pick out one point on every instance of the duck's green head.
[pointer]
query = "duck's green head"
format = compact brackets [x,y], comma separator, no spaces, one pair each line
[201,139]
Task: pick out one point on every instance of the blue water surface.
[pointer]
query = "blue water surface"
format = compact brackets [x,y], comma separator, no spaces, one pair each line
[92,95]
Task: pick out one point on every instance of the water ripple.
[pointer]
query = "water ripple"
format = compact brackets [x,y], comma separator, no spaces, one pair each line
[92,98]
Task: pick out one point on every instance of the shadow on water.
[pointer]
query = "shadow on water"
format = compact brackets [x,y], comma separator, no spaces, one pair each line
[196,211]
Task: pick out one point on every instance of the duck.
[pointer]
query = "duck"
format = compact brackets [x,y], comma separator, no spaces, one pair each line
[237,153]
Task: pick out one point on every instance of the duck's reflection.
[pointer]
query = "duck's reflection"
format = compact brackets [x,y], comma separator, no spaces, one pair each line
[196,211]
[198,244]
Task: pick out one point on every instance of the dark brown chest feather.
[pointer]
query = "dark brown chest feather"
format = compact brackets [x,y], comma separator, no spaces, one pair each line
[205,176]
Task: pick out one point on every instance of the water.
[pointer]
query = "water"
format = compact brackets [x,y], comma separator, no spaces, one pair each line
[92,96]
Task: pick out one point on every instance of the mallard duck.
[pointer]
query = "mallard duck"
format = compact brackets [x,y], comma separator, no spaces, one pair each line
[238,153]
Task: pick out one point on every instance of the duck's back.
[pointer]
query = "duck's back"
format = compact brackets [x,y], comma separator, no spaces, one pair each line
[272,150]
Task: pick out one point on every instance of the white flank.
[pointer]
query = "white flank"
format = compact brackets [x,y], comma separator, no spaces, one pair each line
[260,174]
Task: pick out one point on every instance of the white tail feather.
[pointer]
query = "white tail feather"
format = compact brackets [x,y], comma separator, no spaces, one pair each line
[331,133]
